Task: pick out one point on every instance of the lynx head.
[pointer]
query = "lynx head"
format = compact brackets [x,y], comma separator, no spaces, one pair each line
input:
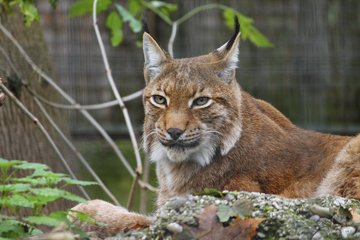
[192,105]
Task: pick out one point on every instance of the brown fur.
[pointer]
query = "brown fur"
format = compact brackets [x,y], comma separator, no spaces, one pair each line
[233,142]
[271,155]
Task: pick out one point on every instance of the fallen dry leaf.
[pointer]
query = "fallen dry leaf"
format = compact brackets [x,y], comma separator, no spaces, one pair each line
[355,215]
[242,228]
[210,228]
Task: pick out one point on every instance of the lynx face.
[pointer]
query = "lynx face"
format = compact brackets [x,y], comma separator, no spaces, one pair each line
[192,106]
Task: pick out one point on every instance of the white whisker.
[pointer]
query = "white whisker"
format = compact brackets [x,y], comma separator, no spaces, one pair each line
[210,131]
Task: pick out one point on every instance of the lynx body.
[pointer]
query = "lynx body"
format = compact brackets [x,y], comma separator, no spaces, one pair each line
[203,130]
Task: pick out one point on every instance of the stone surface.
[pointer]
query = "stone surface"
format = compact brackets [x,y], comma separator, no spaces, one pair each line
[327,217]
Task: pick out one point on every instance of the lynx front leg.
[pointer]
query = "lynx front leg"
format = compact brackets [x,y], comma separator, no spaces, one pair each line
[114,219]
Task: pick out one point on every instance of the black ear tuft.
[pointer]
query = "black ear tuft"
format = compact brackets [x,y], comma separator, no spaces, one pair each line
[236,32]
[145,26]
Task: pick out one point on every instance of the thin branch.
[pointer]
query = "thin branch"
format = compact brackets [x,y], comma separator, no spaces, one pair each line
[172,38]
[116,92]
[11,64]
[174,24]
[132,191]
[143,192]
[44,131]
[55,126]
[146,185]
[77,153]
[67,97]
[201,8]
[88,107]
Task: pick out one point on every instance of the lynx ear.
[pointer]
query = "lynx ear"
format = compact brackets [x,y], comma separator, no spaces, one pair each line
[154,57]
[230,55]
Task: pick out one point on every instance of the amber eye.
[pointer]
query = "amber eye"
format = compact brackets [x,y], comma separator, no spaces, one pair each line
[200,101]
[159,99]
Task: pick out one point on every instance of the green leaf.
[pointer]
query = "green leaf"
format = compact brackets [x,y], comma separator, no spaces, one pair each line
[17,200]
[29,11]
[135,24]
[15,188]
[161,14]
[78,182]
[59,215]
[9,226]
[82,7]
[7,164]
[85,218]
[246,27]
[41,200]
[58,193]
[34,166]
[211,192]
[241,208]
[43,220]
[114,23]
[164,7]
[33,181]
[74,198]
[134,7]
[224,213]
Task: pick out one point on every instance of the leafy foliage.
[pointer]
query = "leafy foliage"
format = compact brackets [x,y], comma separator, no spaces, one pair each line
[26,7]
[118,14]
[32,192]
[135,9]
[247,28]
[82,7]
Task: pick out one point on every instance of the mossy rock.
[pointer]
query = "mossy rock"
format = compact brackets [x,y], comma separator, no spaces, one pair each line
[243,215]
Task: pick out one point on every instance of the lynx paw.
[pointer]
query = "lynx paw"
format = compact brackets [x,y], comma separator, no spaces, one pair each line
[109,219]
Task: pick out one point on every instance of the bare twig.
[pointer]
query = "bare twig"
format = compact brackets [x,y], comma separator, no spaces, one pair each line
[172,38]
[132,191]
[67,97]
[88,107]
[43,130]
[143,192]
[116,92]
[67,141]
[174,24]
[77,153]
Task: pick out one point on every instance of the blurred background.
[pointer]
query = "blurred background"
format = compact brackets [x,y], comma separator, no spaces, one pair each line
[311,74]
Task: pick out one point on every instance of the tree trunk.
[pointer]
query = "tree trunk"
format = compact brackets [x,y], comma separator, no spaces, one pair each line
[20,138]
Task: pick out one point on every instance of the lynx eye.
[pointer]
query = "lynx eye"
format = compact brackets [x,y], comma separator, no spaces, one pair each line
[201,102]
[158,100]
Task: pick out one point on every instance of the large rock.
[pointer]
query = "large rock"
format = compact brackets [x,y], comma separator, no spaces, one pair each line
[242,215]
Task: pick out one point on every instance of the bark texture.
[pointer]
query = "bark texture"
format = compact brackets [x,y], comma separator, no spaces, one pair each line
[20,138]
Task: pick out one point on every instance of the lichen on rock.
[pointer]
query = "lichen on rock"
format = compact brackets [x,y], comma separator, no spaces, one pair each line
[253,216]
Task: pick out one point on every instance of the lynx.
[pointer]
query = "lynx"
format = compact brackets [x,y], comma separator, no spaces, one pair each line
[203,130]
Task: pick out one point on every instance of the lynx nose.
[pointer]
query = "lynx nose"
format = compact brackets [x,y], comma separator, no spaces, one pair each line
[175,133]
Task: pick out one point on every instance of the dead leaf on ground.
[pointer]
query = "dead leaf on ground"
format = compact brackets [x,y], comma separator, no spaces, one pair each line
[211,228]
[355,213]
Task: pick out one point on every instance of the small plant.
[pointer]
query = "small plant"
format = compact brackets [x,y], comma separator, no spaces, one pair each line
[23,199]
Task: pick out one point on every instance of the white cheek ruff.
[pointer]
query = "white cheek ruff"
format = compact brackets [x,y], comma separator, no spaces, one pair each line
[157,152]
[229,141]
[202,154]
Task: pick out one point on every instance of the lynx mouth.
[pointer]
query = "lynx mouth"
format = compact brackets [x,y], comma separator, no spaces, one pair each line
[180,145]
